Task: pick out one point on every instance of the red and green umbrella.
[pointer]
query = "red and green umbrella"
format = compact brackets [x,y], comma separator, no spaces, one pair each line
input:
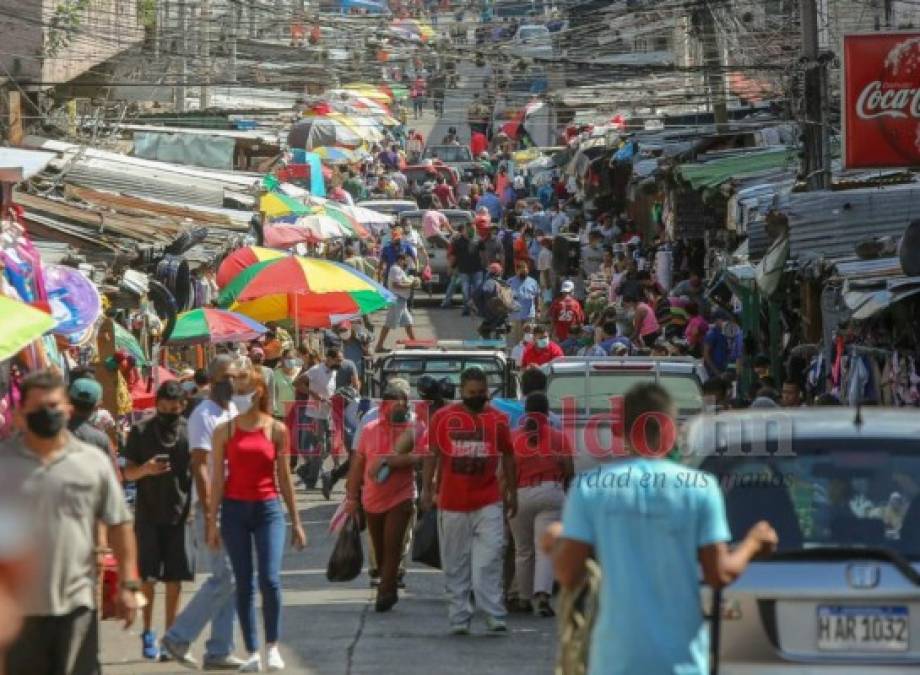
[242,258]
[214,326]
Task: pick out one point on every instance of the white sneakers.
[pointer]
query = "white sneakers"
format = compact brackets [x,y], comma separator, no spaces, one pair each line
[275,662]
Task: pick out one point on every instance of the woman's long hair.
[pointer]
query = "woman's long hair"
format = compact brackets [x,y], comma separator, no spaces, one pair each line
[258,379]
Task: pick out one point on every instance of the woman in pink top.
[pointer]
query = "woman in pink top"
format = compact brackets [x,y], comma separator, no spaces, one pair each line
[249,468]
[645,323]
[696,329]
[385,483]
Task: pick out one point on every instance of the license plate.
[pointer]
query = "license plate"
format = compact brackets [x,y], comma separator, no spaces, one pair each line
[863,629]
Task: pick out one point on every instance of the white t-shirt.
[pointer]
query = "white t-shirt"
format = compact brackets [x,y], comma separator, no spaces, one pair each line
[201,425]
[545,260]
[322,383]
[397,281]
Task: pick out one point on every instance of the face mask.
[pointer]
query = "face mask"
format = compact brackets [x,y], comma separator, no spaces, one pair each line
[335,366]
[345,335]
[168,419]
[543,343]
[399,416]
[189,387]
[475,403]
[528,338]
[46,422]
[222,392]
[243,402]
[292,363]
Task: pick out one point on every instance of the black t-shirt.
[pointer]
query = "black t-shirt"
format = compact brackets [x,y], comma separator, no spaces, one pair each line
[466,252]
[164,499]
[87,433]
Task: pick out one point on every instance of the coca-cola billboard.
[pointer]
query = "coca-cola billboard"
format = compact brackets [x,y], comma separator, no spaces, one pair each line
[881,100]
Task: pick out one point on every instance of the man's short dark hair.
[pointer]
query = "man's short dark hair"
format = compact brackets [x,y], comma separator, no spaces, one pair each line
[532,380]
[715,386]
[643,399]
[170,391]
[610,328]
[333,352]
[47,380]
[473,374]
[201,377]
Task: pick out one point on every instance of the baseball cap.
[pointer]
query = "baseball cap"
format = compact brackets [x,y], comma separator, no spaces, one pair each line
[567,287]
[495,268]
[85,391]
[343,325]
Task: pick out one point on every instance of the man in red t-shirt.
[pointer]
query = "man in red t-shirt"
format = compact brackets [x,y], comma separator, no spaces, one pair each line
[478,144]
[465,442]
[541,351]
[565,312]
[445,194]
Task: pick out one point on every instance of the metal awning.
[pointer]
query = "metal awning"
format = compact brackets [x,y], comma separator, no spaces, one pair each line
[870,286]
[18,165]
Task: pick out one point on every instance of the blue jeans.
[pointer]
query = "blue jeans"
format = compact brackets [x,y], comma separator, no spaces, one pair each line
[213,602]
[469,282]
[241,523]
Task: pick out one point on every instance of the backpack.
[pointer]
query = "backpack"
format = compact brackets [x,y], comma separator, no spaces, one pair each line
[502,302]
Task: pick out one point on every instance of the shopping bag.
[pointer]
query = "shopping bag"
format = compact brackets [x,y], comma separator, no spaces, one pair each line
[425,546]
[338,518]
[347,557]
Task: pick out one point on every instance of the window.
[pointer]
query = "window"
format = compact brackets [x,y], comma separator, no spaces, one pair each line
[598,389]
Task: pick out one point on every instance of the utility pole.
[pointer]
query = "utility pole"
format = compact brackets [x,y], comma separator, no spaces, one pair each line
[712,66]
[816,140]
[183,56]
[205,18]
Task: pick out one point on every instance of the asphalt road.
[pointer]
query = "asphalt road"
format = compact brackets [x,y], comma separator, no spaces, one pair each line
[332,629]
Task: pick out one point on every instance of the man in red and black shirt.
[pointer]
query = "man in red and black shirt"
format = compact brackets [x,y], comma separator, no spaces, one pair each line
[464,445]
[566,312]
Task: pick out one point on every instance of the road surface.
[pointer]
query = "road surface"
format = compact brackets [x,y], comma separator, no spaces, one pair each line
[332,629]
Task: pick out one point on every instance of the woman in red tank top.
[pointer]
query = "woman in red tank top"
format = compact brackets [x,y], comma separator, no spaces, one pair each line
[249,469]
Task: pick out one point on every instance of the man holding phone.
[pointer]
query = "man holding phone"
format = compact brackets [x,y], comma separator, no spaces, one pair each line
[158,458]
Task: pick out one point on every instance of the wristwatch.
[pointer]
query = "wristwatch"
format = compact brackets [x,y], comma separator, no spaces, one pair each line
[132,585]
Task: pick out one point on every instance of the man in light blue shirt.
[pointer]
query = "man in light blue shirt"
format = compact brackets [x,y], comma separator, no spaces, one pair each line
[527,293]
[651,524]
[491,201]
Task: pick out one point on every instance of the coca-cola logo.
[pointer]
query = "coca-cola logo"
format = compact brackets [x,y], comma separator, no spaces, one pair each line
[876,101]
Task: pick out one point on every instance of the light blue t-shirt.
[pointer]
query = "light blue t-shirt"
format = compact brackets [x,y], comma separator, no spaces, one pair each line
[525,292]
[646,519]
[513,409]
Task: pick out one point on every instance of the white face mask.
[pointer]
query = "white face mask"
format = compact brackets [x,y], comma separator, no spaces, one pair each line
[243,402]
[528,338]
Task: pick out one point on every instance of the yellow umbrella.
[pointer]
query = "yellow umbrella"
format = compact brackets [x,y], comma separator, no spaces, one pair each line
[275,205]
[364,127]
[370,91]
[20,324]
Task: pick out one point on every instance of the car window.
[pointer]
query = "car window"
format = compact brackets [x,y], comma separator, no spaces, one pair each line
[525,33]
[456,219]
[413,369]
[598,388]
[842,493]
[449,153]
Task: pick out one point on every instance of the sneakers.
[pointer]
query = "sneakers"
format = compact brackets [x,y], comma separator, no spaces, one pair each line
[149,648]
[178,652]
[273,659]
[460,628]
[385,603]
[253,664]
[542,606]
[229,662]
[496,625]
[325,479]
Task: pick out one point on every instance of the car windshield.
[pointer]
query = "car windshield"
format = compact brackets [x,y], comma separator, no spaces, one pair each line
[600,387]
[450,367]
[449,153]
[531,32]
[842,493]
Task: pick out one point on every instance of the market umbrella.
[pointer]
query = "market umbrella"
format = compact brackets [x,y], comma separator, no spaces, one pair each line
[242,258]
[316,285]
[317,132]
[276,204]
[348,223]
[398,92]
[334,155]
[125,341]
[20,324]
[369,91]
[74,300]
[209,325]
[300,311]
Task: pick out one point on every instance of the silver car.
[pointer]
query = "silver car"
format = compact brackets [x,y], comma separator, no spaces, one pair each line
[842,490]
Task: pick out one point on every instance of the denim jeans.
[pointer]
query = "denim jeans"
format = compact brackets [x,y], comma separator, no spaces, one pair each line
[452,286]
[469,282]
[213,602]
[241,524]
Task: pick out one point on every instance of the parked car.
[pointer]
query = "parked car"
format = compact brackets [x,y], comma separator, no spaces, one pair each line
[421,173]
[587,385]
[458,157]
[437,251]
[391,207]
[842,489]
[532,41]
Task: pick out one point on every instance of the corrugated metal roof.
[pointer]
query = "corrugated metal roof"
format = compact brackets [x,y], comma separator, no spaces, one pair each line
[830,224]
[713,173]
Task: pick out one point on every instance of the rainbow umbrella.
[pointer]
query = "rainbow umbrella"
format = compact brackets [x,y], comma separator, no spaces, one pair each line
[369,91]
[214,326]
[20,324]
[125,341]
[242,258]
[305,289]
[336,155]
[276,204]
[309,229]
[346,221]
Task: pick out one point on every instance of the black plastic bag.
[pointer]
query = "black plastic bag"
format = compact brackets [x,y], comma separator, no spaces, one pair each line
[347,557]
[425,546]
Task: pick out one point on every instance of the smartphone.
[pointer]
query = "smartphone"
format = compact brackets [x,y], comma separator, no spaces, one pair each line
[163,459]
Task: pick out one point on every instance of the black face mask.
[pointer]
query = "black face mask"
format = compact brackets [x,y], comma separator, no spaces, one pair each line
[222,392]
[335,367]
[399,416]
[46,422]
[168,420]
[475,403]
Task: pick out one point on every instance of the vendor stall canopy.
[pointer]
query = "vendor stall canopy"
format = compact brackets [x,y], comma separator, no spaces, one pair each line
[711,174]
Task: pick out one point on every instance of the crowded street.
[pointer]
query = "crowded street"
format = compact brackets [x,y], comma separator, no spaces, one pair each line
[459,337]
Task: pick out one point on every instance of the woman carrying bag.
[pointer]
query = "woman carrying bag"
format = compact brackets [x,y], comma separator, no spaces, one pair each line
[249,469]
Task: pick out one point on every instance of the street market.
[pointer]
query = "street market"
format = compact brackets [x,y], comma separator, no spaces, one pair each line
[336,336]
